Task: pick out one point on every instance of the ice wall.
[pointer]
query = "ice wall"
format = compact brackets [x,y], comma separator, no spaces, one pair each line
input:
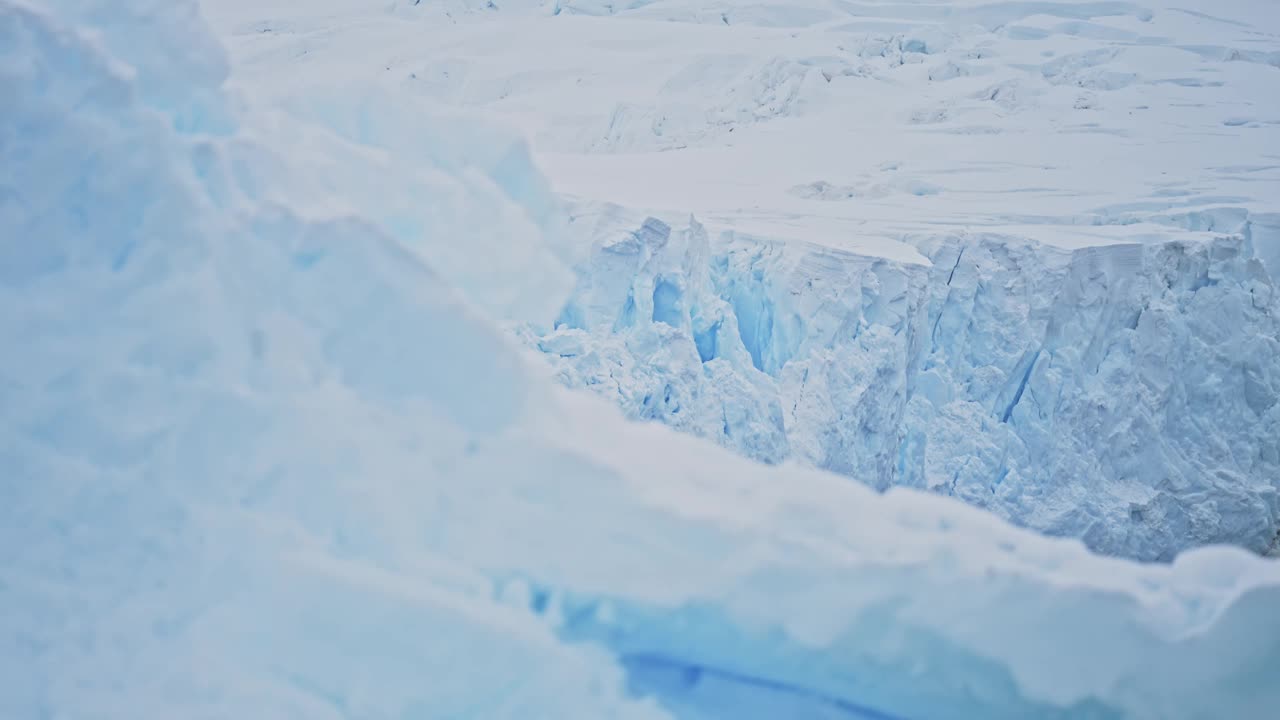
[260,460]
[1123,394]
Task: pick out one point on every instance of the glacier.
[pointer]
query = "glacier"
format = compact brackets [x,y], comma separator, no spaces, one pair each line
[905,264]
[261,457]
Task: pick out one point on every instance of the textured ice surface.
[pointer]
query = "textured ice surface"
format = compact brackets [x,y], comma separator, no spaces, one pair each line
[259,459]
[1125,394]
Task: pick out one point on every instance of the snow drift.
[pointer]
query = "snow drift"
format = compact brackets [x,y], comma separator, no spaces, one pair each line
[258,458]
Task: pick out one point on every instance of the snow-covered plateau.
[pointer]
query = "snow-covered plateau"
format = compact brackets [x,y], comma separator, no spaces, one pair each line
[273,443]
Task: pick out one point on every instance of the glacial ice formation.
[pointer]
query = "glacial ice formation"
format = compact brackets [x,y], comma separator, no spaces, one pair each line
[259,459]
[1124,394]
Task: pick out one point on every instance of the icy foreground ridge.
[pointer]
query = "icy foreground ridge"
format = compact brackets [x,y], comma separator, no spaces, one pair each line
[1124,394]
[260,461]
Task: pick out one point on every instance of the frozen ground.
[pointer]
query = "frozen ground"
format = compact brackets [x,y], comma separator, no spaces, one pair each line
[265,451]
[1004,251]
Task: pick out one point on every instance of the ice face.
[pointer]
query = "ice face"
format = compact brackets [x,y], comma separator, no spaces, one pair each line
[260,460]
[1124,394]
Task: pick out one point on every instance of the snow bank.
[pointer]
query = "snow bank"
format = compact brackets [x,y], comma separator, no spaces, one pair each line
[198,383]
[1123,394]
[260,461]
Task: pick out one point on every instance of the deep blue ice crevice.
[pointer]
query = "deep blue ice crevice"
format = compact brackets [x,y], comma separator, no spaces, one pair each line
[1021,387]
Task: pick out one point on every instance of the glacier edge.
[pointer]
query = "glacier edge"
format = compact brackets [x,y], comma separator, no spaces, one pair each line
[1124,394]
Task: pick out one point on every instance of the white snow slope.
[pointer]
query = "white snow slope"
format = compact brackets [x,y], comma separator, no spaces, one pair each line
[1020,253]
[259,458]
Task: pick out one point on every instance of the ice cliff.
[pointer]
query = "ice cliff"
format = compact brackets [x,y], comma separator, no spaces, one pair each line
[1124,394]
[259,459]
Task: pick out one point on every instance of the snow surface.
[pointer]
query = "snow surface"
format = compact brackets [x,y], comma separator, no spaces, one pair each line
[1016,252]
[260,458]
[965,113]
